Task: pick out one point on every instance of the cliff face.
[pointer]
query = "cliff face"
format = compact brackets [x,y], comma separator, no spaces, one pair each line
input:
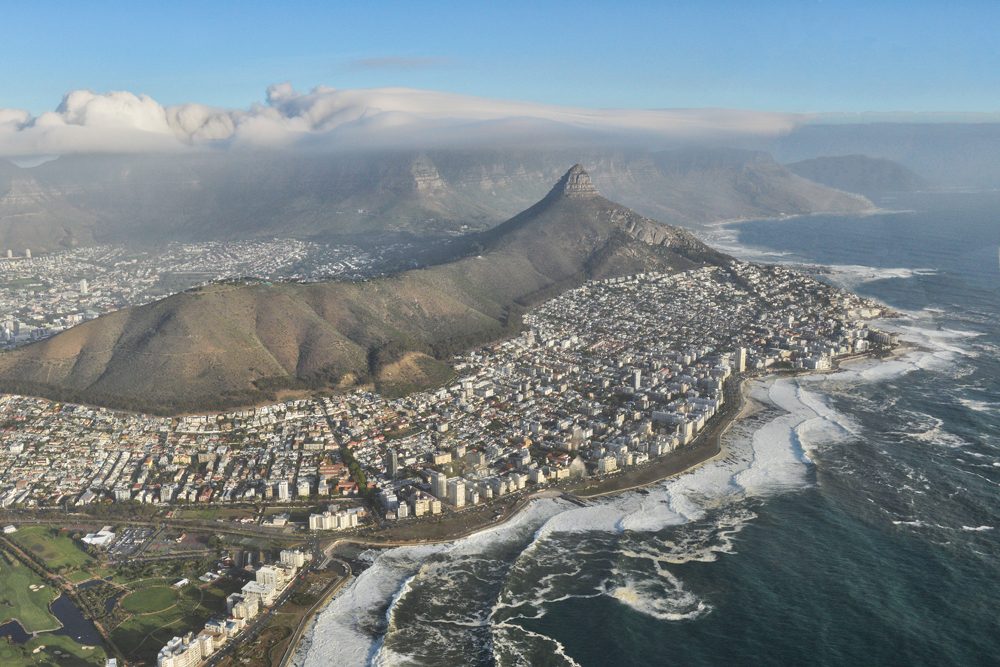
[88,199]
[225,345]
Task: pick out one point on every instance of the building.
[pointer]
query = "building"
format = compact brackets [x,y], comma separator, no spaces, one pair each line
[268,575]
[186,651]
[439,485]
[283,492]
[242,607]
[332,520]
[456,492]
[392,463]
[101,538]
[294,557]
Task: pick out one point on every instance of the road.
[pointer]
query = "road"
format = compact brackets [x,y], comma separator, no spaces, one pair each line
[259,623]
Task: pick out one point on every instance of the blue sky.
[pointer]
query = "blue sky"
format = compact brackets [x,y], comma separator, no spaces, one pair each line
[781,56]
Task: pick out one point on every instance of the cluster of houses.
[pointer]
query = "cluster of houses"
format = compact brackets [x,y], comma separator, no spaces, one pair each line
[610,375]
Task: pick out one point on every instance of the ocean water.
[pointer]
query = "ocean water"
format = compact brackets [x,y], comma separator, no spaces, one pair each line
[853,521]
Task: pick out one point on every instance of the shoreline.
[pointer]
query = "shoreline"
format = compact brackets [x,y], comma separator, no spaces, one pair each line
[706,448]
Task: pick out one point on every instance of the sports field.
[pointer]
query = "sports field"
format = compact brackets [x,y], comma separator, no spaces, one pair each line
[56,549]
[150,600]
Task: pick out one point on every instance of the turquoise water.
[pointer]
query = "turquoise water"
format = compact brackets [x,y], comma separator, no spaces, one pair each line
[854,522]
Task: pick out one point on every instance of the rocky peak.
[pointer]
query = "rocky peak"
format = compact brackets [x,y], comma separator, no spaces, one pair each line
[576,183]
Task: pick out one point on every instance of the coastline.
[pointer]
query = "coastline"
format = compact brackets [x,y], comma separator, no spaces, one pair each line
[706,448]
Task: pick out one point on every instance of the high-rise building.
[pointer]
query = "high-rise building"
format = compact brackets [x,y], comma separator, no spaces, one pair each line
[392,463]
[84,288]
[10,253]
[741,359]
[293,557]
[637,380]
[439,485]
[456,492]
[27,253]
[283,493]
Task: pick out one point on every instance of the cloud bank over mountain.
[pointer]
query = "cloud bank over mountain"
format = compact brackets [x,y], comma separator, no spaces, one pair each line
[331,119]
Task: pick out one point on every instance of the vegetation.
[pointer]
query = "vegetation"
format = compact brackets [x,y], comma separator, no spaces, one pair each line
[150,600]
[25,596]
[142,635]
[221,346]
[49,650]
[52,548]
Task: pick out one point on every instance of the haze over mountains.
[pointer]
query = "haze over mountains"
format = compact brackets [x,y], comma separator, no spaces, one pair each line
[859,173]
[225,345]
[336,162]
[960,155]
[88,199]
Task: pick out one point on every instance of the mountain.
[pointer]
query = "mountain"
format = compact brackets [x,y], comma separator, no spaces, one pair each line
[150,199]
[859,173]
[225,345]
[946,154]
[692,187]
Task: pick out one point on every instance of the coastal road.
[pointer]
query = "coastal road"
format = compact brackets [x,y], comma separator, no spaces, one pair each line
[324,599]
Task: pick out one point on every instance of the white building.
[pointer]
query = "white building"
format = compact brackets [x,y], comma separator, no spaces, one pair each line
[456,492]
[186,651]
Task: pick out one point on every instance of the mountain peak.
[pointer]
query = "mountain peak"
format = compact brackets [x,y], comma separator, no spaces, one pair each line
[576,183]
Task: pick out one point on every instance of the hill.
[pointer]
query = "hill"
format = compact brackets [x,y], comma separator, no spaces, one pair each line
[149,199]
[946,154]
[226,345]
[859,173]
[692,187]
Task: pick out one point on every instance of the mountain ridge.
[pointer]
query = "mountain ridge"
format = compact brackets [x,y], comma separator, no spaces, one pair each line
[85,200]
[866,175]
[224,345]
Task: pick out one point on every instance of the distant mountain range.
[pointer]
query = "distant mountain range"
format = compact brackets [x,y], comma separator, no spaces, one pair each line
[87,199]
[226,345]
[945,154]
[869,176]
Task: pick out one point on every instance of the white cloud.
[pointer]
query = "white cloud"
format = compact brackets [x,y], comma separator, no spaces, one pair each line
[330,118]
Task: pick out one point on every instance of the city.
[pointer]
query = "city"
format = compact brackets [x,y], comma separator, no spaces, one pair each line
[43,294]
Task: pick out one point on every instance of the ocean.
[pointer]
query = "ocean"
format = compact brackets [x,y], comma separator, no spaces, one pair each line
[853,520]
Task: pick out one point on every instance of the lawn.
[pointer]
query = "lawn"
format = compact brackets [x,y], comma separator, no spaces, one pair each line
[141,636]
[56,549]
[17,600]
[52,650]
[150,600]
[213,513]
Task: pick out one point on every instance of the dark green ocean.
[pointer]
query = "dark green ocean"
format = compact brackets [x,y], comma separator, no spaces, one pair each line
[854,521]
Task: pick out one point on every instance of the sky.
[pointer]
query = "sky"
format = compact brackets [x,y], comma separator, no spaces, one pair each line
[801,56]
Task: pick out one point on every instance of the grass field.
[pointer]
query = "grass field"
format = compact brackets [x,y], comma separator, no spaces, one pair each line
[55,548]
[141,636]
[17,600]
[212,513]
[150,600]
[53,650]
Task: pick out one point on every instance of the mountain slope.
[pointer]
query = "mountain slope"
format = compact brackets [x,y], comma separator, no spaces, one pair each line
[859,173]
[226,345]
[692,187]
[155,198]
